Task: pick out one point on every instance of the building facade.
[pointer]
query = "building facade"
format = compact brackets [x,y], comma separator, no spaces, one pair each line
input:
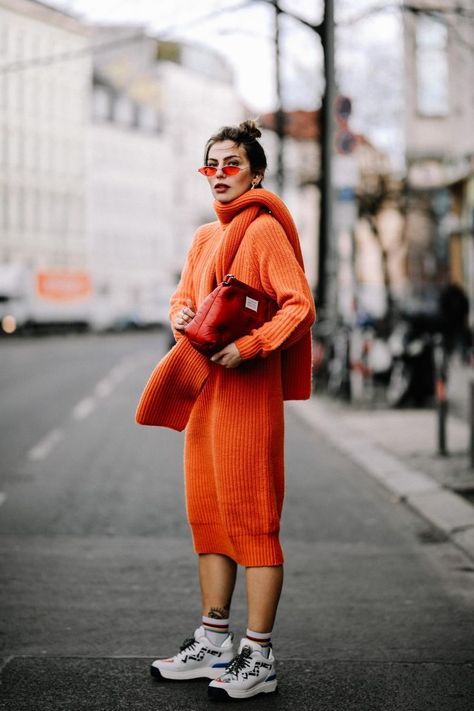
[45,71]
[439,111]
[368,251]
[44,117]
[101,135]
[199,97]
[146,197]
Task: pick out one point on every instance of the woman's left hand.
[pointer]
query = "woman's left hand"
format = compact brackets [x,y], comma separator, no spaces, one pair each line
[229,357]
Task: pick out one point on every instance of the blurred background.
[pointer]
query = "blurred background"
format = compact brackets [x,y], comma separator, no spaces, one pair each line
[367,112]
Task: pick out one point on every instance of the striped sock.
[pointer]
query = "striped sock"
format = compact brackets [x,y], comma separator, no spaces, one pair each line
[215,630]
[262,638]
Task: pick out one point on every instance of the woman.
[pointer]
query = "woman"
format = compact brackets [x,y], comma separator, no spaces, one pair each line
[232,407]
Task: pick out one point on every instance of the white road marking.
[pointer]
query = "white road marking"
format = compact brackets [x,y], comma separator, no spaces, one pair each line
[84,408]
[120,371]
[104,388]
[3,497]
[46,445]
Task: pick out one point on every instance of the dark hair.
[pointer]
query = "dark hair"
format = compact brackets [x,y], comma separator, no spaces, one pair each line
[246,135]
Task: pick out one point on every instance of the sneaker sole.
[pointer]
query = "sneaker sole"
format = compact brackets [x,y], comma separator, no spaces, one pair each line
[219,694]
[207,673]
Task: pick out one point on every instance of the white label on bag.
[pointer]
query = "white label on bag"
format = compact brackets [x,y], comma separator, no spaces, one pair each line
[251,303]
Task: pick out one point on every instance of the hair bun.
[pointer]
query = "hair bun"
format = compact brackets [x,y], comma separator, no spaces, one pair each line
[250,127]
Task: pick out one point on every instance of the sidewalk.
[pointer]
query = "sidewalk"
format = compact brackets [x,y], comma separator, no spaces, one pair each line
[399,449]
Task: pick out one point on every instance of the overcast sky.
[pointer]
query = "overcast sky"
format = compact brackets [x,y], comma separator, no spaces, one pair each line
[368,52]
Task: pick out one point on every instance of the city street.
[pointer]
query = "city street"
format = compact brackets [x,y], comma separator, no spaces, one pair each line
[98,576]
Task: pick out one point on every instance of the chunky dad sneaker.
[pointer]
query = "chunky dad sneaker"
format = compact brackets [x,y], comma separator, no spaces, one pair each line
[249,673]
[197,658]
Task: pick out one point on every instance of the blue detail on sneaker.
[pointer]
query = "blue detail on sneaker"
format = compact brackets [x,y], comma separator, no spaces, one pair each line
[249,673]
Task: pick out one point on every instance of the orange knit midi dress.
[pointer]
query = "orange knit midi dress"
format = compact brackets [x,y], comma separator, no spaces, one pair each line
[234,441]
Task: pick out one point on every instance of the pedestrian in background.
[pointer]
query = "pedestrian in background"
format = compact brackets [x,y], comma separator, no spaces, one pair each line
[453,307]
[234,428]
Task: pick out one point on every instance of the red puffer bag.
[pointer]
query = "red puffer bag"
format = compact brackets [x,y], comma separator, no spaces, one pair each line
[231,311]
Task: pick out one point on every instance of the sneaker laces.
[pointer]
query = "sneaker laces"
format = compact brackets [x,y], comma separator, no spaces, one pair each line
[239,662]
[187,644]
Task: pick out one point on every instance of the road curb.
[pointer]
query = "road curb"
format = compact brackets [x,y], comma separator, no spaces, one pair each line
[446,510]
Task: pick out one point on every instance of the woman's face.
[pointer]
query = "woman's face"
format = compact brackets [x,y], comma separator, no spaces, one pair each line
[228,187]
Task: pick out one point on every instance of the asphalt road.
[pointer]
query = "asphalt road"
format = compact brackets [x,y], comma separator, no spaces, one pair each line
[98,574]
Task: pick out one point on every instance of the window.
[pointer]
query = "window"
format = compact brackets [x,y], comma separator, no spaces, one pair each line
[3,91]
[13,210]
[13,148]
[3,144]
[124,111]
[432,67]
[102,103]
[21,210]
[148,119]
[4,223]
[4,38]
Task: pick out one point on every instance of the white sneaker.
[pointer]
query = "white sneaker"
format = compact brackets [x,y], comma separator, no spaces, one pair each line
[197,658]
[249,673]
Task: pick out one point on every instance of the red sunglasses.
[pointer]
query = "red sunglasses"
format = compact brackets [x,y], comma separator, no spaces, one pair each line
[210,170]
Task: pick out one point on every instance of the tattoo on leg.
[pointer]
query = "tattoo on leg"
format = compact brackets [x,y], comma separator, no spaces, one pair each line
[219,613]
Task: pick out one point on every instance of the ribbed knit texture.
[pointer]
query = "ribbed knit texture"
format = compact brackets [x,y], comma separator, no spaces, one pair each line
[234,436]
[245,225]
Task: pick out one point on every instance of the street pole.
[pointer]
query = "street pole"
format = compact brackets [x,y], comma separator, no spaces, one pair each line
[327,252]
[280,117]
[441,375]
[471,422]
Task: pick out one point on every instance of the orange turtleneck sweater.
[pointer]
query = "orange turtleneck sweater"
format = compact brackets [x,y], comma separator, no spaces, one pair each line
[234,437]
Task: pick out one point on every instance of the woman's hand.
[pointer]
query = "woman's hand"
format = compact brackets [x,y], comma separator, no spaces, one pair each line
[229,357]
[185,316]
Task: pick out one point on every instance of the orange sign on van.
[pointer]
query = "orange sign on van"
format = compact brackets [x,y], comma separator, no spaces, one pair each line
[63,285]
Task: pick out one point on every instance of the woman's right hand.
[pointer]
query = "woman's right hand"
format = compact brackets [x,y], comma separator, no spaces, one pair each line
[185,316]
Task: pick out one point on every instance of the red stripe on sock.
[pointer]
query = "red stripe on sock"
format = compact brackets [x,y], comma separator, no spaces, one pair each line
[262,642]
[217,628]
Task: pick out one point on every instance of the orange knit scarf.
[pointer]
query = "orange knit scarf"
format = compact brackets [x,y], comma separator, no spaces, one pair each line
[240,213]
[179,377]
